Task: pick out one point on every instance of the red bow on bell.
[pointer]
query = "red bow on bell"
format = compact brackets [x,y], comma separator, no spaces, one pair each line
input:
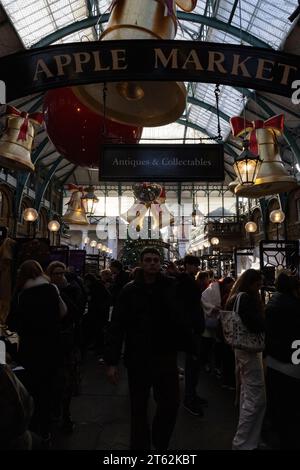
[241,126]
[74,187]
[37,118]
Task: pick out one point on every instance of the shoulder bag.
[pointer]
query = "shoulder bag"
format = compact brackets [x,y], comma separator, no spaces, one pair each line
[237,334]
[227,319]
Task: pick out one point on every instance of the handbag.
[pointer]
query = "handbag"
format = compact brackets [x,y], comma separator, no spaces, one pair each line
[235,332]
[243,339]
[227,318]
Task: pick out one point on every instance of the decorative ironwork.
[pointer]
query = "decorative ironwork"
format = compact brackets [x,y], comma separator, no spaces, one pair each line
[277,255]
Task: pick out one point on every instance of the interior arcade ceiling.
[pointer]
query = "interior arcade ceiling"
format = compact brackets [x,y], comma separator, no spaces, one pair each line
[258,23]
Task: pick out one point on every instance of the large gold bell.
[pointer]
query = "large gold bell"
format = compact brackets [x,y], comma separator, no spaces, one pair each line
[75,217]
[272,177]
[75,213]
[146,104]
[15,152]
[136,19]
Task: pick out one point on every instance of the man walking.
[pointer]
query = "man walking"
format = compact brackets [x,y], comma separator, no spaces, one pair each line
[145,316]
[190,296]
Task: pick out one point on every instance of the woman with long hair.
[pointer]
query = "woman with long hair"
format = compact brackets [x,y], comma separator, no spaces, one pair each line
[38,310]
[249,365]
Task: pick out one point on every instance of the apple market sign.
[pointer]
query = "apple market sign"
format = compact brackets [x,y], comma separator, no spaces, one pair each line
[41,69]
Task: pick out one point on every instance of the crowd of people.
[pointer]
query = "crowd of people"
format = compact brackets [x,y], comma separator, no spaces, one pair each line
[145,317]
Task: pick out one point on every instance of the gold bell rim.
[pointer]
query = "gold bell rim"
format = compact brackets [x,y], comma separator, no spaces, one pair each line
[73,222]
[266,188]
[16,163]
[278,179]
[164,117]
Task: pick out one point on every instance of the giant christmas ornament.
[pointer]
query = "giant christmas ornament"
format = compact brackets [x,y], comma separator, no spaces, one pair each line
[272,177]
[141,103]
[77,132]
[149,196]
[17,139]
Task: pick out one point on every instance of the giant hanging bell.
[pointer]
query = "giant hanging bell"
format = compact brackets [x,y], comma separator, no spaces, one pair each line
[75,213]
[16,141]
[272,177]
[139,103]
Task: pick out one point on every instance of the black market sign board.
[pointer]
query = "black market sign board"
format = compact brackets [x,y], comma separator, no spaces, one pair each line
[163,162]
[40,69]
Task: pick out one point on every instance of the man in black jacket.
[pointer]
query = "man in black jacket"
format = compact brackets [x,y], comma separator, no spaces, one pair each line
[190,296]
[146,316]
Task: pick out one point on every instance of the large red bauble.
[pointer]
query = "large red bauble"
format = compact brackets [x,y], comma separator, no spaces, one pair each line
[77,132]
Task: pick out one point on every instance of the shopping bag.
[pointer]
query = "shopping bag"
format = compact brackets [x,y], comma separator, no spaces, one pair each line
[227,318]
[243,339]
[237,334]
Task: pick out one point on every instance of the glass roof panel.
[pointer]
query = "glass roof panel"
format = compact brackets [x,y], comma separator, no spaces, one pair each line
[265,19]
[35,19]
[172,131]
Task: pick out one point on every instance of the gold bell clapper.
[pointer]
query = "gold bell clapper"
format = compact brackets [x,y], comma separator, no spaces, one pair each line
[75,214]
[17,138]
[272,177]
[146,104]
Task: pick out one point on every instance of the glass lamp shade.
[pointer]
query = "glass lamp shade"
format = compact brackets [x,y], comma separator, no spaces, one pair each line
[250,227]
[247,166]
[215,241]
[86,240]
[90,200]
[54,226]
[277,216]
[30,214]
[93,243]
[206,244]
[99,246]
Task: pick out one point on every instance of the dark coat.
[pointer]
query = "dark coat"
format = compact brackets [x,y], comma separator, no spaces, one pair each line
[38,325]
[189,301]
[147,318]
[282,325]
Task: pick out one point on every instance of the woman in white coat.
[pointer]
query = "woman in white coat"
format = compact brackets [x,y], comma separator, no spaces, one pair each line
[249,365]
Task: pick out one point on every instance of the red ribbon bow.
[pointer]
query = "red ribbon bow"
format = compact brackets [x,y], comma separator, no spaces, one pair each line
[74,187]
[37,118]
[241,126]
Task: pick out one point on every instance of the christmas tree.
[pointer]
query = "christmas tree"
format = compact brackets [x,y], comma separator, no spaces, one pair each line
[130,254]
